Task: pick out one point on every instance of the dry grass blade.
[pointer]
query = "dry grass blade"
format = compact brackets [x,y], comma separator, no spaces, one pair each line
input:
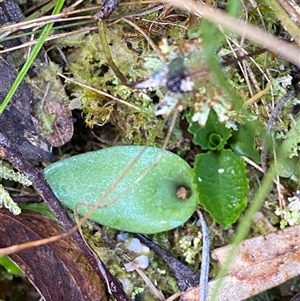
[38,22]
[100,92]
[291,9]
[285,19]
[49,38]
[250,32]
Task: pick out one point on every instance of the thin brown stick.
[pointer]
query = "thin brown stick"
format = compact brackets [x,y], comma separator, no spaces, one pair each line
[49,38]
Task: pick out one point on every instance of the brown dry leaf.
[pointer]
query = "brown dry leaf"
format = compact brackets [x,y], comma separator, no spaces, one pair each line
[261,263]
[57,270]
[62,125]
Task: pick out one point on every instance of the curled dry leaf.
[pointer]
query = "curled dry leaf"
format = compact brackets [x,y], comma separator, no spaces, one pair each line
[57,270]
[261,263]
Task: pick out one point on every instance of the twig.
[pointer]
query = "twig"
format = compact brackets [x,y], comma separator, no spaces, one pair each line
[26,199]
[10,153]
[107,8]
[185,276]
[287,17]
[203,283]
[278,108]
[296,297]
[271,122]
[173,297]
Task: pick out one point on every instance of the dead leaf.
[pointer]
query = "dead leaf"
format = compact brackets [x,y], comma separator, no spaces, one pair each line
[62,125]
[57,270]
[262,262]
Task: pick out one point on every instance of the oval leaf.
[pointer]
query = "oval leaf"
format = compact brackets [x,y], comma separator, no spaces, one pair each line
[151,206]
[222,185]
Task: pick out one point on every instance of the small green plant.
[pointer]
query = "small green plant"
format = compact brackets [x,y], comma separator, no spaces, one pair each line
[8,202]
[220,174]
[290,214]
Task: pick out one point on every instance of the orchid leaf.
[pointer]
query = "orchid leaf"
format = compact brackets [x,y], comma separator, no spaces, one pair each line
[152,205]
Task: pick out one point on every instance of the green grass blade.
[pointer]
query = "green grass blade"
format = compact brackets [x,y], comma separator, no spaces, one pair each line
[31,58]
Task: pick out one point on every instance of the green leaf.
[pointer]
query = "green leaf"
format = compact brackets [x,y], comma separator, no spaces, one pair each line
[10,266]
[41,208]
[213,136]
[151,206]
[242,143]
[222,185]
[289,168]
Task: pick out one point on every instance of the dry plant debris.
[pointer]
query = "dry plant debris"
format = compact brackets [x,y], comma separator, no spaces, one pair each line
[261,263]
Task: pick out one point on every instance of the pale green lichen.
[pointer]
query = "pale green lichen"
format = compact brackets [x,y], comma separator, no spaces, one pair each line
[291,213]
[8,202]
[190,248]
[9,174]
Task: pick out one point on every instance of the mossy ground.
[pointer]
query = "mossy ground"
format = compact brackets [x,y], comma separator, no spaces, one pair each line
[102,121]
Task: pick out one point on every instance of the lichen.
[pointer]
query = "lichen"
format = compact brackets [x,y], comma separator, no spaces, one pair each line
[8,202]
[290,214]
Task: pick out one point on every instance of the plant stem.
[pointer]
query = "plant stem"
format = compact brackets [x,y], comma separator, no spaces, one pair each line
[108,56]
